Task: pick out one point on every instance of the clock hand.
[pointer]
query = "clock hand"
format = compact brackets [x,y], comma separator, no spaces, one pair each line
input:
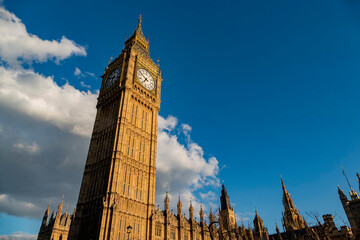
[142,74]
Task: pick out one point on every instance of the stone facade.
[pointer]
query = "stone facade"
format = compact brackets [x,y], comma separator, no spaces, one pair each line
[352,207]
[55,228]
[117,194]
[118,185]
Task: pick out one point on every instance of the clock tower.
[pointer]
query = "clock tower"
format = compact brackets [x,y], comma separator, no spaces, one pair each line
[118,185]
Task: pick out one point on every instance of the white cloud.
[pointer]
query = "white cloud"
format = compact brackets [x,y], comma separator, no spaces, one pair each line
[182,168]
[77,71]
[244,216]
[40,97]
[33,148]
[90,74]
[210,195]
[39,105]
[18,236]
[79,74]
[17,44]
[167,124]
[84,85]
[186,128]
[16,206]
[34,94]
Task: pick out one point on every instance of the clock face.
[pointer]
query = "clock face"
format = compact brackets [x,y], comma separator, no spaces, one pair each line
[146,79]
[113,77]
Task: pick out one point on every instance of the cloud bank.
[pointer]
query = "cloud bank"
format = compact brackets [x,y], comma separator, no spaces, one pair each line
[45,130]
[17,45]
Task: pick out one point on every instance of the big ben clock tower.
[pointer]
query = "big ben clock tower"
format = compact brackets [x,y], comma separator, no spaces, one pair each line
[118,185]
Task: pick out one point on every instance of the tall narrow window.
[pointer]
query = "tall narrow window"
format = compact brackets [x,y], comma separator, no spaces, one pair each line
[138,228]
[124,183]
[139,150]
[142,119]
[132,147]
[132,113]
[120,229]
[129,194]
[137,187]
[136,108]
[141,181]
[146,117]
[129,145]
[124,229]
[143,152]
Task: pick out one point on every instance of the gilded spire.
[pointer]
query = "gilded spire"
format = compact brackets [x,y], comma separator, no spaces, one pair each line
[138,32]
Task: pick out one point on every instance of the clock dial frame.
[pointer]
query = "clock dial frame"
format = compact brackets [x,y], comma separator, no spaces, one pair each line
[113,77]
[145,78]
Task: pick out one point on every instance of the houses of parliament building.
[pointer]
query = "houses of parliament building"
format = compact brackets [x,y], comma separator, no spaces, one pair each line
[117,194]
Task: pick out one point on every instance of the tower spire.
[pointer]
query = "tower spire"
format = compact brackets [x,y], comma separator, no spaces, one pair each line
[59,211]
[191,210]
[166,201]
[292,219]
[224,199]
[287,201]
[179,207]
[211,216]
[283,185]
[201,214]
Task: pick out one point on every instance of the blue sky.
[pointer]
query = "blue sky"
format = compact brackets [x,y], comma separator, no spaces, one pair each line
[268,88]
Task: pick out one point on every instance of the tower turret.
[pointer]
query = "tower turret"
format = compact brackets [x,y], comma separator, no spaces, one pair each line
[243,233]
[46,216]
[224,199]
[278,232]
[179,207]
[342,196]
[250,233]
[226,212]
[191,211]
[166,201]
[201,214]
[259,229]
[59,211]
[211,216]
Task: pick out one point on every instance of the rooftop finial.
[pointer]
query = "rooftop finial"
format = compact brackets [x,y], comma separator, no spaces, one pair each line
[140,18]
